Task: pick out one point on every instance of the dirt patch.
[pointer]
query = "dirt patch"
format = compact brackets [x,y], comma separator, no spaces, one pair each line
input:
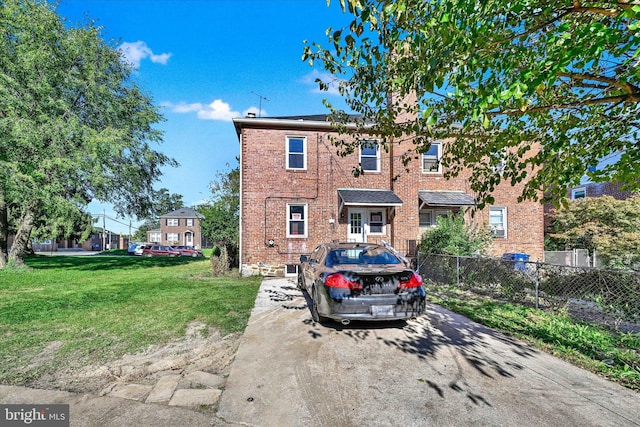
[201,349]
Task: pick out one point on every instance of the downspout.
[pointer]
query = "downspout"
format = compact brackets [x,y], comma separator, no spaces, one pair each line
[240,207]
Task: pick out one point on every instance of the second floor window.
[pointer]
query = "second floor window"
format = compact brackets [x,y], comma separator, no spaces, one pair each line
[189,222]
[370,156]
[431,159]
[173,222]
[296,152]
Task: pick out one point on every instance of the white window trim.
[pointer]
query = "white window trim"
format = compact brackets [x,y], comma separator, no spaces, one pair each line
[176,235]
[577,190]
[495,233]
[438,159]
[171,221]
[435,213]
[189,222]
[304,152]
[377,145]
[384,222]
[306,221]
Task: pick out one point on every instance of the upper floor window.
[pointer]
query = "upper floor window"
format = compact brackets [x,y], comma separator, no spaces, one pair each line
[189,222]
[499,161]
[498,222]
[173,222]
[431,159]
[370,156]
[296,220]
[296,152]
[578,193]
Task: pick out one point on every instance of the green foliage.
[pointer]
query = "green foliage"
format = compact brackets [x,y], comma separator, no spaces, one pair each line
[452,236]
[107,306]
[221,222]
[610,226]
[74,126]
[495,76]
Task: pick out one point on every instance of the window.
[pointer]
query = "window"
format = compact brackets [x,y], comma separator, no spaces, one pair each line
[189,222]
[431,159]
[296,220]
[498,222]
[429,217]
[377,222]
[498,161]
[370,156]
[579,193]
[155,237]
[173,237]
[173,222]
[296,153]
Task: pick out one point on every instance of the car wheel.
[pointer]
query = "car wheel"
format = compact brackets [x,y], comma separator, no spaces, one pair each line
[149,255]
[194,254]
[314,307]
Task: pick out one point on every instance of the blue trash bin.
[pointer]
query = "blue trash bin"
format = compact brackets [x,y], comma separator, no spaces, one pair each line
[519,258]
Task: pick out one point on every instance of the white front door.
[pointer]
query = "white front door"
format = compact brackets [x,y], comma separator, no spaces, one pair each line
[356,228]
[188,237]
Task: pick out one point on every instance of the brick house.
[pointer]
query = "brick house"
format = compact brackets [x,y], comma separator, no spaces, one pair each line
[296,192]
[180,227]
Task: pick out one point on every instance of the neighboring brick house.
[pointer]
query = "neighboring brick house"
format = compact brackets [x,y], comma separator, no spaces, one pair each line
[180,227]
[296,192]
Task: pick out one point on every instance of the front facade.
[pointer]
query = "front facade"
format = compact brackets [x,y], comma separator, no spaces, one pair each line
[296,193]
[180,227]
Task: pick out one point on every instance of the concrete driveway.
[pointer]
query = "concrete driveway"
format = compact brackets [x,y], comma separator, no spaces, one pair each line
[439,370]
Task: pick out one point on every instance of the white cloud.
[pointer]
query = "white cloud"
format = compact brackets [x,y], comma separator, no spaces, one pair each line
[216,110]
[135,52]
[330,80]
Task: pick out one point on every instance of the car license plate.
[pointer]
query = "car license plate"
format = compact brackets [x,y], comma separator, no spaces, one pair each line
[382,310]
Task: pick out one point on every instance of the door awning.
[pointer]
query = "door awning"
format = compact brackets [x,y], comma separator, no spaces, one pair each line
[445,198]
[367,198]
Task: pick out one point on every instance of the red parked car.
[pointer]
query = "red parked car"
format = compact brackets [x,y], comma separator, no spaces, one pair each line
[188,251]
[158,250]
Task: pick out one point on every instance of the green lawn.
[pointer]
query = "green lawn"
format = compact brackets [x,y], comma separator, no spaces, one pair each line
[101,307]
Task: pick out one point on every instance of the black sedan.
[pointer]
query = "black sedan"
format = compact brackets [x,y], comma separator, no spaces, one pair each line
[360,281]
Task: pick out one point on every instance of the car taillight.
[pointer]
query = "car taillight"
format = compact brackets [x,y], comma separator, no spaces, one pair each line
[337,280]
[415,281]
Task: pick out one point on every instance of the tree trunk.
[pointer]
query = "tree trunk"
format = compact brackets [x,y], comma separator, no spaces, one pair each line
[4,231]
[20,246]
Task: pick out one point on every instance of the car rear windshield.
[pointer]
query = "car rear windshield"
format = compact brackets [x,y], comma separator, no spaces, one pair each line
[361,256]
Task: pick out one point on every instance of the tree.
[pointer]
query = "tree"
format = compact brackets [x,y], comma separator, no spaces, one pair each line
[73,125]
[222,217]
[610,226]
[495,75]
[452,236]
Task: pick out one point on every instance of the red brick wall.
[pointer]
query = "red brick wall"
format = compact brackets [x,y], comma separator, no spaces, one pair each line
[267,187]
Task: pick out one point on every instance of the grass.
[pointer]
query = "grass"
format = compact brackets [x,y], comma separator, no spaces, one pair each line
[101,307]
[596,348]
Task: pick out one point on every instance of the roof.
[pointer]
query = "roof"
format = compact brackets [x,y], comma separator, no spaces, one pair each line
[368,197]
[183,213]
[312,121]
[446,198]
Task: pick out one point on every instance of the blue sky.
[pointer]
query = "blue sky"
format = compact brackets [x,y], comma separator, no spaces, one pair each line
[207,61]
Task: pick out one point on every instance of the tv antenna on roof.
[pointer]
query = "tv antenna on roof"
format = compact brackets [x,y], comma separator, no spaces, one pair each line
[260,105]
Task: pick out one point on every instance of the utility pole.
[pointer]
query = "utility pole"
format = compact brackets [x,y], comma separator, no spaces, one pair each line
[104,230]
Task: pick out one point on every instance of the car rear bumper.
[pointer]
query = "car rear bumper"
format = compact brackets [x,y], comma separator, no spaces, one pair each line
[404,305]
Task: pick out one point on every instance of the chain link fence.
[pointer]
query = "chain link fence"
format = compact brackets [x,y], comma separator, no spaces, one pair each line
[608,297]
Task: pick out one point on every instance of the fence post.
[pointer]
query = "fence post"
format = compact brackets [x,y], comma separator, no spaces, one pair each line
[537,284]
[458,270]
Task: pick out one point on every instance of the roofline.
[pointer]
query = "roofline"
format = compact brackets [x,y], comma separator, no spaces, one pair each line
[241,122]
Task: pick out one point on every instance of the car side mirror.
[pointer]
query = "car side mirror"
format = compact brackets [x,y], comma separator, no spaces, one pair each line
[304,258]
